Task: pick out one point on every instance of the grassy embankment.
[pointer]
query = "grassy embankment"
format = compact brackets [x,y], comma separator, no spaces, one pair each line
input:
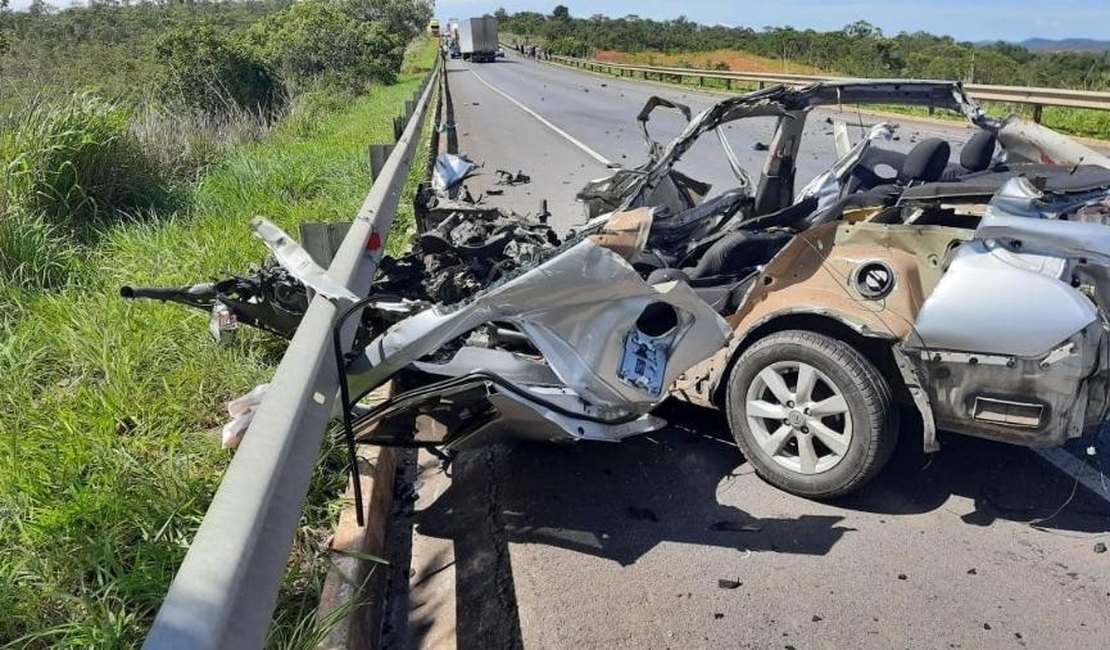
[109,448]
[1073,121]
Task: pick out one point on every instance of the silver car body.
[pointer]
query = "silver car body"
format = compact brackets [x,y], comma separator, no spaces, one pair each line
[992,320]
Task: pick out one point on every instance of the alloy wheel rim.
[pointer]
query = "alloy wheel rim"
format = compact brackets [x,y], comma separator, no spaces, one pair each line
[799,417]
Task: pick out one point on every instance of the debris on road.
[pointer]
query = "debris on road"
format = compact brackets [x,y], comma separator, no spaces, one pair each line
[450,170]
[508,178]
[467,248]
[1100,547]
[728,583]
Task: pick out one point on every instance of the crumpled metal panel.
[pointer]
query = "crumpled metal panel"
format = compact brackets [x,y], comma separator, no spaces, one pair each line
[995,301]
[298,262]
[577,309]
[1029,142]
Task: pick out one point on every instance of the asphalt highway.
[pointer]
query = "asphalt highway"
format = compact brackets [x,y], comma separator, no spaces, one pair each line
[669,540]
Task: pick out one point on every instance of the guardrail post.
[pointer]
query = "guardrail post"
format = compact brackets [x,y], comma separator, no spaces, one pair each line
[1037,113]
[378,154]
[728,84]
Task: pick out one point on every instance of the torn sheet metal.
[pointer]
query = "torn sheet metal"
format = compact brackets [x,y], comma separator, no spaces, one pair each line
[298,262]
[577,309]
[449,171]
[828,186]
[1025,141]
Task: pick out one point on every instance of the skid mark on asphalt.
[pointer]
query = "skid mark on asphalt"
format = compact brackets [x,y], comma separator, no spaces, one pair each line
[568,137]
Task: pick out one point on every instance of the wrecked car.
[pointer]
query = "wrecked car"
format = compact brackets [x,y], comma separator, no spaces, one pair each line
[972,290]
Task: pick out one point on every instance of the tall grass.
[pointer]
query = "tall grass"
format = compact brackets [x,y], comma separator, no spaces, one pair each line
[109,449]
[183,142]
[76,165]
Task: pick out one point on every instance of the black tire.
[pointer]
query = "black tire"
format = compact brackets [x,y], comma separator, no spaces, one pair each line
[866,393]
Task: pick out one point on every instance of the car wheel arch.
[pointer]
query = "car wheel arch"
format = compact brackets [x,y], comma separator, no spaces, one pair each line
[877,349]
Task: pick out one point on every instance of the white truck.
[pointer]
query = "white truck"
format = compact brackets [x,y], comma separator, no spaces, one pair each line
[478,39]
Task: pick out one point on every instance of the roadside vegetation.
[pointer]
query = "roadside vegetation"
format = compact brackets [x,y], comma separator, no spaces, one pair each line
[860,49]
[129,158]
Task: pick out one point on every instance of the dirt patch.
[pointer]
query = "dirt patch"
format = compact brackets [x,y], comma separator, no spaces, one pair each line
[731,60]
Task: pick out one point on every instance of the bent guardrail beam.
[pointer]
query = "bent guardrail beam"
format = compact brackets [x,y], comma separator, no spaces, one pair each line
[225,591]
[1036,97]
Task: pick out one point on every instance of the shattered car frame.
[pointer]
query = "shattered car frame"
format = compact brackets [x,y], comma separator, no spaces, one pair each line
[975,291]
[840,297]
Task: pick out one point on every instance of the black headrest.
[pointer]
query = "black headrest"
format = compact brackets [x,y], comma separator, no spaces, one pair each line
[978,152]
[926,161]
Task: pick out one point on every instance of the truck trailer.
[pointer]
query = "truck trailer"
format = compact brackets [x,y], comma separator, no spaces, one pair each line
[478,39]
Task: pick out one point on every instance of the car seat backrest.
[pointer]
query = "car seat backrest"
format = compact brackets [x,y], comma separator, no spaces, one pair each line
[977,154]
[926,161]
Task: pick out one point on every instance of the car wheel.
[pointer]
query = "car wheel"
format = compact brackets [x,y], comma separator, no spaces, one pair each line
[812,415]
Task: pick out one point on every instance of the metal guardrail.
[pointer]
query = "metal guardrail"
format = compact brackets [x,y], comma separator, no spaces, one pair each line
[225,591]
[1036,97]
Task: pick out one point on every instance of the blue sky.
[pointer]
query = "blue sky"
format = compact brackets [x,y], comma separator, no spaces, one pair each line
[973,20]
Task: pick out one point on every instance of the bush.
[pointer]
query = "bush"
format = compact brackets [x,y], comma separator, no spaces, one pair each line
[317,42]
[404,18]
[209,72]
[76,163]
[33,253]
[183,142]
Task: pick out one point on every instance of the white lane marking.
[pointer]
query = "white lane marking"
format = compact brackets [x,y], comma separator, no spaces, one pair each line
[570,138]
[1087,475]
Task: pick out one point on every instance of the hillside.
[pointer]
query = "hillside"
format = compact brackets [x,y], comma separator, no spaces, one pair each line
[1065,45]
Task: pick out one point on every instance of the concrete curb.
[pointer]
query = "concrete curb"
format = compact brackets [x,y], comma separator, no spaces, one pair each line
[352,600]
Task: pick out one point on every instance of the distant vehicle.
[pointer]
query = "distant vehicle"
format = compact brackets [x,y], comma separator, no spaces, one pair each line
[453,50]
[478,39]
[433,27]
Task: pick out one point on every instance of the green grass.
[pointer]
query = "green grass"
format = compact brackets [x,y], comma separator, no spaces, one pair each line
[109,447]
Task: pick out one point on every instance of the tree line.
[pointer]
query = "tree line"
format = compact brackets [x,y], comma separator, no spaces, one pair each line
[859,49]
[205,54]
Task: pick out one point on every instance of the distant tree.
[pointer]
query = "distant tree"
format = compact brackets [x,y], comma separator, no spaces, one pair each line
[316,41]
[862,29]
[404,18]
[207,70]
[500,14]
[39,8]
[858,49]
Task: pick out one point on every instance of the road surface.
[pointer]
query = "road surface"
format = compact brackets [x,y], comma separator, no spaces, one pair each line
[596,545]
